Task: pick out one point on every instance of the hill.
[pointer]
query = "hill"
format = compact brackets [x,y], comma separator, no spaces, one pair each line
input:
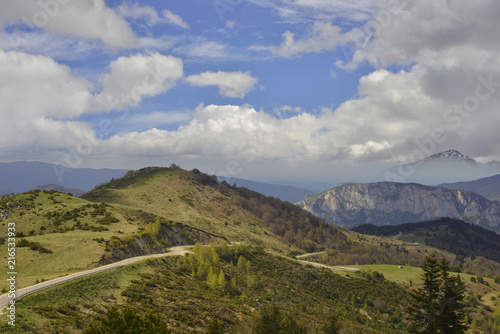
[389,203]
[285,193]
[488,187]
[453,235]
[239,214]
[22,176]
[146,212]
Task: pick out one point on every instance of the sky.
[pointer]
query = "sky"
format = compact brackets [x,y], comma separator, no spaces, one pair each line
[270,90]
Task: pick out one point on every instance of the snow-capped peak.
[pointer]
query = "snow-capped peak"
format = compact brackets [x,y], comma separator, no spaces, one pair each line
[451,155]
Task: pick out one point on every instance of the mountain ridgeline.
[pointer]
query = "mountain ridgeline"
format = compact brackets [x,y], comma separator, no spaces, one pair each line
[389,203]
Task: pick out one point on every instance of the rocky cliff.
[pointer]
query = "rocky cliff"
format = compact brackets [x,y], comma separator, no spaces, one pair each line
[389,203]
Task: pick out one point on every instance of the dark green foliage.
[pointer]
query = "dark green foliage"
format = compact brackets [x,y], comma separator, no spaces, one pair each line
[453,235]
[214,327]
[128,321]
[270,320]
[331,325]
[437,306]
[34,246]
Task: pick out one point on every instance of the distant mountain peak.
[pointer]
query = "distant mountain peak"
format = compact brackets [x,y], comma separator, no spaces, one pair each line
[450,154]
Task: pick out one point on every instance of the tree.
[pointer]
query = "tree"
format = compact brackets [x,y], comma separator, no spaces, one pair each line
[269,322]
[423,308]
[437,306]
[331,326]
[214,327]
[453,309]
[128,322]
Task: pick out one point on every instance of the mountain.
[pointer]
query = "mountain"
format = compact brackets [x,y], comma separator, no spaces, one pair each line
[389,203]
[23,176]
[444,167]
[449,234]
[285,193]
[488,187]
[61,189]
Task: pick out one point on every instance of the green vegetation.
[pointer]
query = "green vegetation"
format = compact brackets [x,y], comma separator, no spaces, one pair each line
[438,305]
[248,287]
[177,290]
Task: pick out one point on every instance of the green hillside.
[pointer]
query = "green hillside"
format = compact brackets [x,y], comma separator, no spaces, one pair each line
[152,209]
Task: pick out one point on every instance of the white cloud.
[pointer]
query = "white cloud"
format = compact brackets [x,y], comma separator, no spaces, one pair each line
[174,19]
[36,86]
[295,11]
[324,36]
[136,12]
[131,78]
[87,19]
[39,100]
[231,84]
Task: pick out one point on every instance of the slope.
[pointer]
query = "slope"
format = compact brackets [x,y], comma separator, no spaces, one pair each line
[238,214]
[488,187]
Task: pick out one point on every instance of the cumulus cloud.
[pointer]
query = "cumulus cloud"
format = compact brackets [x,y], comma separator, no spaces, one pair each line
[43,101]
[87,19]
[131,78]
[231,84]
[39,100]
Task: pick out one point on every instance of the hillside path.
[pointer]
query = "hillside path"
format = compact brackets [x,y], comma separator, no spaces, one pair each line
[174,251]
[320,265]
[308,254]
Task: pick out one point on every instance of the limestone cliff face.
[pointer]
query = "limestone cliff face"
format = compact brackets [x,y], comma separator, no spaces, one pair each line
[397,203]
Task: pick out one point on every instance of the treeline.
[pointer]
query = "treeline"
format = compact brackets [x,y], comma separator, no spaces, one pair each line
[453,235]
[292,224]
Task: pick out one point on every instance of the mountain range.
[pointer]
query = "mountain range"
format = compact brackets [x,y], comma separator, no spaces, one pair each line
[17,177]
[390,203]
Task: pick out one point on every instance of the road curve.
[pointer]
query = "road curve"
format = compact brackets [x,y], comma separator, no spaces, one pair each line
[174,251]
[320,265]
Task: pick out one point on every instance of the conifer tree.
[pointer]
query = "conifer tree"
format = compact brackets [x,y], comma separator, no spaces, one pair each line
[453,310]
[437,306]
[424,305]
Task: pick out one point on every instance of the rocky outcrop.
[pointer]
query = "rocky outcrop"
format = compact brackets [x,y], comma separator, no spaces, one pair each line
[389,203]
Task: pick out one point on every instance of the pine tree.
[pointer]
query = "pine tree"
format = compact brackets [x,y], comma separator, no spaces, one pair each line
[221,281]
[453,310]
[270,321]
[424,305]
[438,307]
[214,327]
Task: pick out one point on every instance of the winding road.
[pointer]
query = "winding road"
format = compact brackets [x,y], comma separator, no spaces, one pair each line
[174,251]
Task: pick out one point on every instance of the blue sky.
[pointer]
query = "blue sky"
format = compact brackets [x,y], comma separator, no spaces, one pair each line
[284,90]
